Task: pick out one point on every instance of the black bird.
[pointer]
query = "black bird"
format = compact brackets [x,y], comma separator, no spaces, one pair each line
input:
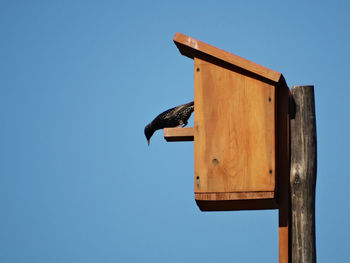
[170,118]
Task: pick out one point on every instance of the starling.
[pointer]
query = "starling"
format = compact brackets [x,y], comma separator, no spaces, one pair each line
[170,118]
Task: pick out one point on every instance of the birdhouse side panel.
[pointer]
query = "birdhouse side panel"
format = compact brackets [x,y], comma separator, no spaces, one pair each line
[234,131]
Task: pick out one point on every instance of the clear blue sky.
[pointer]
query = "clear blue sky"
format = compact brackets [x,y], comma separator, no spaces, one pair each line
[79,80]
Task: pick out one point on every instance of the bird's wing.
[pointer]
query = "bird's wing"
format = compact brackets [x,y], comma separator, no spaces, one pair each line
[173,112]
[165,114]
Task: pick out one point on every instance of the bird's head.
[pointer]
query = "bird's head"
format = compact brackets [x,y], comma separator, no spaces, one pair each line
[149,130]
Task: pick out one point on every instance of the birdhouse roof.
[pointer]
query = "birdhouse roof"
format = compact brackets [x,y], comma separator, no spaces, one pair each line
[192,48]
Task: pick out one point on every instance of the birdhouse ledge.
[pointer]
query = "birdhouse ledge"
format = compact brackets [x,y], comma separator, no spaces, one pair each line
[179,134]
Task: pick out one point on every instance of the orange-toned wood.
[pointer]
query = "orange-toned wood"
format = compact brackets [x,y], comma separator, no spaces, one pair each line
[178,134]
[234,133]
[235,196]
[241,135]
[283,244]
[192,48]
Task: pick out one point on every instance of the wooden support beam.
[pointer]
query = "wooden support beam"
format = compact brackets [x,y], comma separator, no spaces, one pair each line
[303,174]
[283,168]
[179,134]
[284,242]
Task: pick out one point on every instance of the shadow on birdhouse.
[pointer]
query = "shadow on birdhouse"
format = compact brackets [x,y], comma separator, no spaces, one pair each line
[241,129]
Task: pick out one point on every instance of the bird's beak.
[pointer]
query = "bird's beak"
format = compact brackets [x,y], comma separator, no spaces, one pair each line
[148,142]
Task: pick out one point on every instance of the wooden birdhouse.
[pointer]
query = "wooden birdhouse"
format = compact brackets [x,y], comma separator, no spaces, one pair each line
[241,129]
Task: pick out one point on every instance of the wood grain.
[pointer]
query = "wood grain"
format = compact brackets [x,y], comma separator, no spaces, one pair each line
[235,196]
[240,134]
[303,174]
[178,134]
[192,48]
[234,133]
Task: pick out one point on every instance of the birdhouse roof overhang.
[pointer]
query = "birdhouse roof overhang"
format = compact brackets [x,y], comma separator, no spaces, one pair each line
[194,48]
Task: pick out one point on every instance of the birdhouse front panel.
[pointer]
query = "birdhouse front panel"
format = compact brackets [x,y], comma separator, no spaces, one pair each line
[234,134]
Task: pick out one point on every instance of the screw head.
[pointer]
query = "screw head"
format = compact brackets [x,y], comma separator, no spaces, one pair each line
[215,162]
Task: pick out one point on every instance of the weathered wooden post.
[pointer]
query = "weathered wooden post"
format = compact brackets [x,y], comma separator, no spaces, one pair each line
[303,174]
